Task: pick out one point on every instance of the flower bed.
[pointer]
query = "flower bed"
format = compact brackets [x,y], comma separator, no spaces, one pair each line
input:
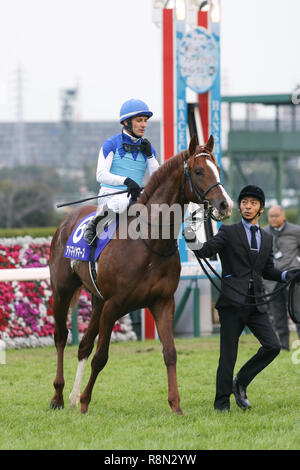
[26,315]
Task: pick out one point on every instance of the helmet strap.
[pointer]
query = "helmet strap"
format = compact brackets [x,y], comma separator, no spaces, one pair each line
[252,218]
[128,128]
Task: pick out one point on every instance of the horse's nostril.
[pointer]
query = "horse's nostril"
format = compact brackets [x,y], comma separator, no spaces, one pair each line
[224,205]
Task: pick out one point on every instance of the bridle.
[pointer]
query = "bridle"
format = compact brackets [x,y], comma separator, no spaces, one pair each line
[193,188]
[199,195]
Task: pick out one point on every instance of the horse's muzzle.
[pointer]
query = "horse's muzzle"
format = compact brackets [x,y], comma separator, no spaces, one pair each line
[222,209]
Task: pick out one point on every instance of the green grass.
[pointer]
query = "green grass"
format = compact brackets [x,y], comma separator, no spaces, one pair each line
[129,408]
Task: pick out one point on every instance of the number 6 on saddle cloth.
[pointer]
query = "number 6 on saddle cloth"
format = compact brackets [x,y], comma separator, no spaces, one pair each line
[78,249]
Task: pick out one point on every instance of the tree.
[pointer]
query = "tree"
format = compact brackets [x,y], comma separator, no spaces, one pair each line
[30,205]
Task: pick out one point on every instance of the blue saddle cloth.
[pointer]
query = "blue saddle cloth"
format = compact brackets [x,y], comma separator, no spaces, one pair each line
[77,248]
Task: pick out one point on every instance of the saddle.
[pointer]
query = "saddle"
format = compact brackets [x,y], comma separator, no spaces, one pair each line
[78,249]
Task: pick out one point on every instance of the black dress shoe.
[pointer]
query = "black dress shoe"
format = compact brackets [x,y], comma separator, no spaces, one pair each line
[239,392]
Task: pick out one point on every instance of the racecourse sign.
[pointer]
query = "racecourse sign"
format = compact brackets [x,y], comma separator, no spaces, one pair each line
[198,58]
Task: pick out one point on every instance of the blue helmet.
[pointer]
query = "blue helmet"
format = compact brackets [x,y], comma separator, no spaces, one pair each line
[133,108]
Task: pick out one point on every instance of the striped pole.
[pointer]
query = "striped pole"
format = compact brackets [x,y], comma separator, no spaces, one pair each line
[204,98]
[169,86]
[168,124]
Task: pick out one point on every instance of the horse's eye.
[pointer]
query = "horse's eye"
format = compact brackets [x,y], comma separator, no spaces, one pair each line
[198,171]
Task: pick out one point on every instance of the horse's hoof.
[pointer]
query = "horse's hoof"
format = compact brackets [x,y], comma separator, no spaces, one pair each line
[83,408]
[55,406]
[74,400]
[177,411]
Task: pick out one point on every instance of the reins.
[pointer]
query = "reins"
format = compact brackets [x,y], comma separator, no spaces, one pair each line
[264,298]
[269,296]
[164,255]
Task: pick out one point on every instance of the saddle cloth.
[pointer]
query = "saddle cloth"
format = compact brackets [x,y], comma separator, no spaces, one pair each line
[77,248]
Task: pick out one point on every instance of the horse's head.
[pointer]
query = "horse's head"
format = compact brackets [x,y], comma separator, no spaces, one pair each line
[203,175]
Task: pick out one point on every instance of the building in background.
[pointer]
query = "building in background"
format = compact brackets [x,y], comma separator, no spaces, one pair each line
[43,145]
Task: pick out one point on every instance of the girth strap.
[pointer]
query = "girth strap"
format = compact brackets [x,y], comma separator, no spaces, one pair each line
[93,271]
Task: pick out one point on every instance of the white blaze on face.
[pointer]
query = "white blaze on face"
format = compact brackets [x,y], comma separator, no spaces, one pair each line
[226,196]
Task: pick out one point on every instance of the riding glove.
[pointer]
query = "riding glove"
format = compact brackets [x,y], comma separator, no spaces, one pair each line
[133,189]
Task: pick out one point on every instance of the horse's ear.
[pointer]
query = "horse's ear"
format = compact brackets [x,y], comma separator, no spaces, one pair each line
[193,145]
[210,143]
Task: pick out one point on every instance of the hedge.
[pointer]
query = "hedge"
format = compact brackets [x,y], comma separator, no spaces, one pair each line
[35,232]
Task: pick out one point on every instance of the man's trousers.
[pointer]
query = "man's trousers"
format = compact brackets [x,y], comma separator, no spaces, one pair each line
[233,321]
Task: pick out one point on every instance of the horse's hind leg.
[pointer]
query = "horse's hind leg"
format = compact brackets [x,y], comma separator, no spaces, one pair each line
[61,304]
[108,317]
[85,348]
[163,313]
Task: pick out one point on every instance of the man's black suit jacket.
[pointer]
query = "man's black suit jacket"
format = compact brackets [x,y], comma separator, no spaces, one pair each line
[237,268]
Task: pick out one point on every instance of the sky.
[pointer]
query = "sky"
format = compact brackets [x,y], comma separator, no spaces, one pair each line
[111,50]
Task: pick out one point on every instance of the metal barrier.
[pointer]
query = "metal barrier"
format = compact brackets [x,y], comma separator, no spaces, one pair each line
[193,286]
[192,277]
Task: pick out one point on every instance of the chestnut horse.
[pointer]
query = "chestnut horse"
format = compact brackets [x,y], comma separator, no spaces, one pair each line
[132,273]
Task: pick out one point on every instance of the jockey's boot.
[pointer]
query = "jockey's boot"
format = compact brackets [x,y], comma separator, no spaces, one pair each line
[90,233]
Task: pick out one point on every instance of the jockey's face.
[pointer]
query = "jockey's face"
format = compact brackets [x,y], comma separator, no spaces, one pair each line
[139,124]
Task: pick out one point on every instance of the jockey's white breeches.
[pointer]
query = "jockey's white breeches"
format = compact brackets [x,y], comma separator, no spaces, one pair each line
[118,203]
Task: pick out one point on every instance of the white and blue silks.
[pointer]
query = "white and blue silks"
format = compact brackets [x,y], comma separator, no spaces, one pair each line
[115,165]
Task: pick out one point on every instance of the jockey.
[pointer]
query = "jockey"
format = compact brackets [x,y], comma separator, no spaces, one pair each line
[122,164]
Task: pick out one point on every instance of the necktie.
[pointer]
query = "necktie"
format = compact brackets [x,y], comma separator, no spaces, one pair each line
[253,249]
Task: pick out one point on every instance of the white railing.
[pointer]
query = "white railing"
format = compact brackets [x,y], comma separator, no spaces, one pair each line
[36,274]
[24,274]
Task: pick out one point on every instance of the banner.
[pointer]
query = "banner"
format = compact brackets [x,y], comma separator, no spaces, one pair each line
[181,106]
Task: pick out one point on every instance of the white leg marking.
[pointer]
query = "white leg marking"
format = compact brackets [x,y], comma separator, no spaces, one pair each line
[75,394]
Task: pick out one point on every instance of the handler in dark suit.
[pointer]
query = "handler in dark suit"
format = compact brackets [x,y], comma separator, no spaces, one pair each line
[246,256]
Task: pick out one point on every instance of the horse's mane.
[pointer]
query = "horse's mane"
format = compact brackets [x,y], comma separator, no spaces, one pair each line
[161,174]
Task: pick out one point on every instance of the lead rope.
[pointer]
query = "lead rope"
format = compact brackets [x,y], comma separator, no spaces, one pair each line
[292,284]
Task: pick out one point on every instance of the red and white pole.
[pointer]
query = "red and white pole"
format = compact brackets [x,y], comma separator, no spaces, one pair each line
[204,99]
[169,120]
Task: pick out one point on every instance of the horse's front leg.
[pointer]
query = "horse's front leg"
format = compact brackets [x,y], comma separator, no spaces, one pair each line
[85,348]
[163,313]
